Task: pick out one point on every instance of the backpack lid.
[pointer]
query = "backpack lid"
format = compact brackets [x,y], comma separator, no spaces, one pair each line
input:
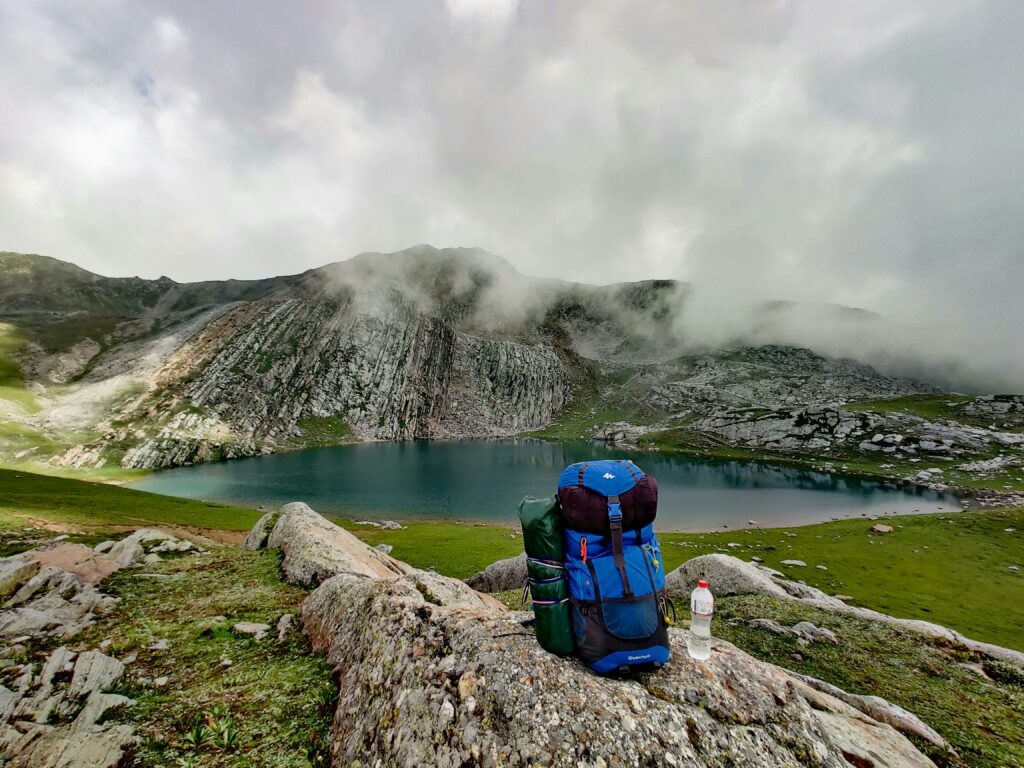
[609,477]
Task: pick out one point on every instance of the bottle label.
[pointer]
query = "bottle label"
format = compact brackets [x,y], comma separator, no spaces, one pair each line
[701,607]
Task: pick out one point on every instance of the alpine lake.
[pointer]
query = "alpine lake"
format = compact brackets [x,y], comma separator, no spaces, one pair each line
[484,480]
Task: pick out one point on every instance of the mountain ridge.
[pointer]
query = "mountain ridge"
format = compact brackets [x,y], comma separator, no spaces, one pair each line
[419,344]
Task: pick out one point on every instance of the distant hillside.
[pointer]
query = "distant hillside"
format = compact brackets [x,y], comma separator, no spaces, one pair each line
[422,343]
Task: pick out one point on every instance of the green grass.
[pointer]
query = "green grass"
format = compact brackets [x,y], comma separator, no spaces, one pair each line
[925,406]
[324,430]
[982,719]
[12,385]
[919,571]
[949,569]
[60,336]
[77,502]
[270,707]
[585,411]
[453,549]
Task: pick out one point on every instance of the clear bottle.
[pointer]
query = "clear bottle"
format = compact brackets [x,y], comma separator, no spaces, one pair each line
[702,606]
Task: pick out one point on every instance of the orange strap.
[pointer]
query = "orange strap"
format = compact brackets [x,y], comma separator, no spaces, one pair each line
[583,549]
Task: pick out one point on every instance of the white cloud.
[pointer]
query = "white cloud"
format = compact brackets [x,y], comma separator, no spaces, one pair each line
[844,152]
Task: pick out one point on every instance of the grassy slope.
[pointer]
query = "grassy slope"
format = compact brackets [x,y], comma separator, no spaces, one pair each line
[77,502]
[454,549]
[949,569]
[12,386]
[983,719]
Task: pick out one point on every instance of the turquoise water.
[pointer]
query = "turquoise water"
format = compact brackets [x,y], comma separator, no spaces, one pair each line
[484,480]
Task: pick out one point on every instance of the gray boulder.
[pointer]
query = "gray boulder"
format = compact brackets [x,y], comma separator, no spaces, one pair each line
[459,682]
[317,549]
[727,575]
[500,575]
[258,535]
[94,673]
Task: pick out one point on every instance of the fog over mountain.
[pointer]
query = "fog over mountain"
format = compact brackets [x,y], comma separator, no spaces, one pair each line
[850,154]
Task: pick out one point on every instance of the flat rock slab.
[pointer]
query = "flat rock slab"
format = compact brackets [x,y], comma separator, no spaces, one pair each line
[87,564]
[15,571]
[46,746]
[251,629]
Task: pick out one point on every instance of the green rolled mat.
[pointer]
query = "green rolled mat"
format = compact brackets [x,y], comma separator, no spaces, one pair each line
[542,539]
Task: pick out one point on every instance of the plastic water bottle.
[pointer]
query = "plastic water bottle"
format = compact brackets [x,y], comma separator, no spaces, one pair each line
[702,606]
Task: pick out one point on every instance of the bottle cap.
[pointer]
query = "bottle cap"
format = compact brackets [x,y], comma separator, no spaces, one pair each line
[702,584]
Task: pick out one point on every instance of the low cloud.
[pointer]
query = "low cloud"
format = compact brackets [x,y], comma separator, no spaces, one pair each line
[836,153]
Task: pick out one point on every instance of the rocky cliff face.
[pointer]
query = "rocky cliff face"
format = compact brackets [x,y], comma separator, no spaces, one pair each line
[419,344]
[432,673]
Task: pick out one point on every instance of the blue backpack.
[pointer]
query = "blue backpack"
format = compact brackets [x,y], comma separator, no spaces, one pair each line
[616,577]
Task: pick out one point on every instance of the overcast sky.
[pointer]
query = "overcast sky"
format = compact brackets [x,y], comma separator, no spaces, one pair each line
[865,153]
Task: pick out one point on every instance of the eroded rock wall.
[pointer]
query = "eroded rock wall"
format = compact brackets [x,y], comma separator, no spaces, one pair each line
[245,385]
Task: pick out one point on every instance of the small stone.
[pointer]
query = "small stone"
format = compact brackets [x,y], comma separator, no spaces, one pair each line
[160,682]
[160,645]
[844,598]
[881,528]
[796,563]
[821,567]
[284,624]
[1013,568]
[447,711]
[251,629]
[757,559]
[385,548]
[225,662]
[467,685]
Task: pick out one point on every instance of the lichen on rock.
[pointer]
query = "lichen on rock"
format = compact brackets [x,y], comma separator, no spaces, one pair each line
[432,673]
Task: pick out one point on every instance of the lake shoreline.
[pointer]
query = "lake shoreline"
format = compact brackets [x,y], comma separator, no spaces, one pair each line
[483,481]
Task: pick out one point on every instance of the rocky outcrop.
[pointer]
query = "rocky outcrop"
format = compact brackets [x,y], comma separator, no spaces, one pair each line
[59,718]
[260,532]
[316,549]
[423,343]
[731,576]
[57,722]
[770,376]
[431,673]
[500,575]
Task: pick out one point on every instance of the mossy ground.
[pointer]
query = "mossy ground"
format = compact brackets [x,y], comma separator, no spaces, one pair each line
[453,549]
[323,431]
[270,706]
[983,719]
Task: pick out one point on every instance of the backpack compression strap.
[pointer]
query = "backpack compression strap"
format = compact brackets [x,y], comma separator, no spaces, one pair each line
[615,523]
